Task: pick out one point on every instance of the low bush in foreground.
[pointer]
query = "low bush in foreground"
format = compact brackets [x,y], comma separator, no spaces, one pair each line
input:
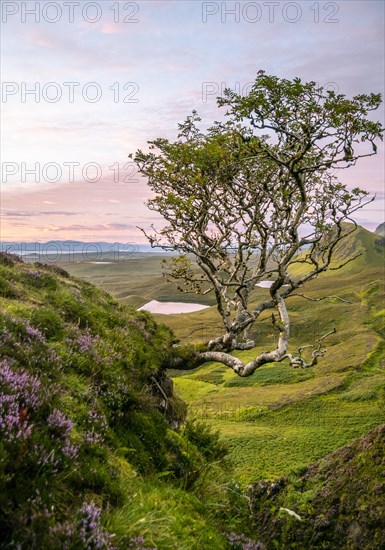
[88,458]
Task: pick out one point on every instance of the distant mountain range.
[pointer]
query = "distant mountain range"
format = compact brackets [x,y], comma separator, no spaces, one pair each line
[72,247]
[98,249]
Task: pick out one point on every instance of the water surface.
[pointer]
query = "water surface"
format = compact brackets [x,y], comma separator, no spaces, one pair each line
[171,308]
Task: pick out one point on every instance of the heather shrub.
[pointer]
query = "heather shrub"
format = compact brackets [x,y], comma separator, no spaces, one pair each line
[83,431]
[8,259]
[7,288]
[57,270]
[48,322]
[39,279]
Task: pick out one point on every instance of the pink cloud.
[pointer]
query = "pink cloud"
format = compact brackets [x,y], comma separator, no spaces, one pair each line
[82,200]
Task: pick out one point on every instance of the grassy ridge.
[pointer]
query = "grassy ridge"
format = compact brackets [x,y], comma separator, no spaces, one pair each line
[88,458]
[335,503]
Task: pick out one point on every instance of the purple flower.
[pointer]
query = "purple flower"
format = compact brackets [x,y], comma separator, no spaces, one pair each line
[97,424]
[61,426]
[241,542]
[92,534]
[34,273]
[64,533]
[19,395]
[69,449]
[48,459]
[86,532]
[86,341]
[34,332]
[137,543]
[60,423]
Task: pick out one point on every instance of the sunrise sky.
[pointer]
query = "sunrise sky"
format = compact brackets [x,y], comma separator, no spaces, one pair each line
[108,76]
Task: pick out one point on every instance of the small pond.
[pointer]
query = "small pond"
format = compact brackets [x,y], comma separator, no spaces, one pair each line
[170,308]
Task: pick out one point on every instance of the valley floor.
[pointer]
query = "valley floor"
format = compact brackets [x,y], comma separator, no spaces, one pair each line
[279,419]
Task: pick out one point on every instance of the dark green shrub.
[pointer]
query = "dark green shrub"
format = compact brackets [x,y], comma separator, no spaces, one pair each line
[205,439]
[39,279]
[7,289]
[48,322]
[9,259]
[53,269]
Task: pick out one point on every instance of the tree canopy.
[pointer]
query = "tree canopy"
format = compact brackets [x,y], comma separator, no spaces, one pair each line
[252,196]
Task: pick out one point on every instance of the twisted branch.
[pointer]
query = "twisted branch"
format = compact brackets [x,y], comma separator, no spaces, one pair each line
[298,361]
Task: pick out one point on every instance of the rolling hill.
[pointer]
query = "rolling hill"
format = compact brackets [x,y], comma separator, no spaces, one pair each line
[295,416]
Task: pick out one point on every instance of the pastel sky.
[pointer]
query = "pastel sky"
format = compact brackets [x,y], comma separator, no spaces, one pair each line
[108,76]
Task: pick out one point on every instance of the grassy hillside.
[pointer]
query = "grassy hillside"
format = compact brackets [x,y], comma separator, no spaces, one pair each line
[335,503]
[367,248]
[88,458]
[281,419]
[295,416]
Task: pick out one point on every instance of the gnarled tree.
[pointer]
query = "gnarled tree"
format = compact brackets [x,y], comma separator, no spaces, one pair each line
[248,205]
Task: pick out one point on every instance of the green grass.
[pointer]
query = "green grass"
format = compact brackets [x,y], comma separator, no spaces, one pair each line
[84,423]
[166,516]
[269,444]
[339,501]
[349,376]
[281,419]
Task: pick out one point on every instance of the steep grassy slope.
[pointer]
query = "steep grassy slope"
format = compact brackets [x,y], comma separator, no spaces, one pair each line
[336,503]
[380,230]
[361,243]
[87,455]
